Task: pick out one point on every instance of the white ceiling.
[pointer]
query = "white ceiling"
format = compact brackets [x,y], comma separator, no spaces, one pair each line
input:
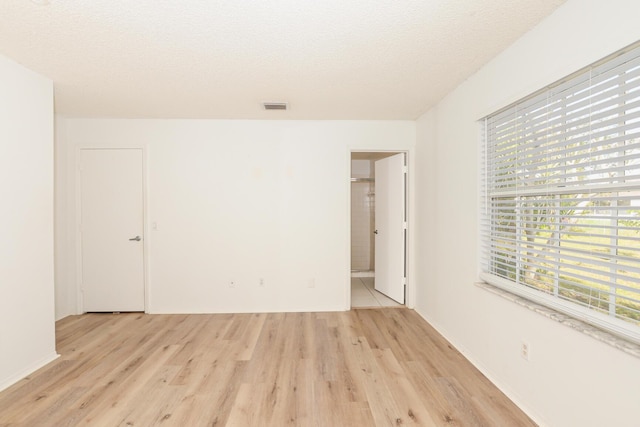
[329,59]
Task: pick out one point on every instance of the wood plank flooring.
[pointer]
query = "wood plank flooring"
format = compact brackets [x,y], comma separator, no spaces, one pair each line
[380,367]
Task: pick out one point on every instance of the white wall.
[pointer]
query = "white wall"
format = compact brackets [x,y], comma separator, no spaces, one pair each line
[571,379]
[426,185]
[239,200]
[27,335]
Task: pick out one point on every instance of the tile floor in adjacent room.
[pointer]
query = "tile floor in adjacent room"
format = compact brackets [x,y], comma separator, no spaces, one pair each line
[363,294]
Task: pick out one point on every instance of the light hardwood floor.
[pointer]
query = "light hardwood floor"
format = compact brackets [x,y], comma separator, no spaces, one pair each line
[380,367]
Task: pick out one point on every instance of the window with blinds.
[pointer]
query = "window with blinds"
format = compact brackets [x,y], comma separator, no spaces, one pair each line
[560,203]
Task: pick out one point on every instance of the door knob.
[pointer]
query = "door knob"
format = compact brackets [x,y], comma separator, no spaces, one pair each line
[375,232]
[136,239]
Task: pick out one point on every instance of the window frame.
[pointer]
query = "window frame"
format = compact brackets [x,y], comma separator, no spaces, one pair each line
[609,322]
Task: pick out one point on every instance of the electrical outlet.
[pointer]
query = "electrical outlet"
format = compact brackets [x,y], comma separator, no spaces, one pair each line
[525,350]
[312,283]
[232,283]
[261,282]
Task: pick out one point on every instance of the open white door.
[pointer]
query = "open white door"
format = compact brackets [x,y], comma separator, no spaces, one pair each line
[390,227]
[112,230]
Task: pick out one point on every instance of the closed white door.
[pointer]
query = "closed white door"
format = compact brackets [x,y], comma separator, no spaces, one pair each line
[112,224]
[390,227]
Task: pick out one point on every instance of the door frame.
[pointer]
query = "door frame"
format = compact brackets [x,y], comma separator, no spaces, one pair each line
[78,220]
[409,300]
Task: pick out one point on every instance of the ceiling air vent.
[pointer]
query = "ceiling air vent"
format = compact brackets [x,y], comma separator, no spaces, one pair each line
[275,105]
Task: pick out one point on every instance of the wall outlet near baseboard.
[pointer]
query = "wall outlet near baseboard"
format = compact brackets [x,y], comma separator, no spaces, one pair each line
[525,350]
[261,282]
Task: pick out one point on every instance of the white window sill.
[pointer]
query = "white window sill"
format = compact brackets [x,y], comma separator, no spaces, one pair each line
[580,326]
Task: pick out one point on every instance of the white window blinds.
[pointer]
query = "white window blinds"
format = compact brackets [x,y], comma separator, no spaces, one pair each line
[561,195]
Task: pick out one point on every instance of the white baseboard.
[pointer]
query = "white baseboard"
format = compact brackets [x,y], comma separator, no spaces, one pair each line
[487,373]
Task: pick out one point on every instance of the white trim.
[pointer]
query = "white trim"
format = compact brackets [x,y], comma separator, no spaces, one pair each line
[347,183]
[77,230]
[410,291]
[145,228]
[512,395]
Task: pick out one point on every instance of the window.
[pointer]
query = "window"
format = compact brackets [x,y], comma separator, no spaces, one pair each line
[560,203]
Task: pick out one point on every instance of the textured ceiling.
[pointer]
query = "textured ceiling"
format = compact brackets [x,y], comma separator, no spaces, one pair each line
[329,59]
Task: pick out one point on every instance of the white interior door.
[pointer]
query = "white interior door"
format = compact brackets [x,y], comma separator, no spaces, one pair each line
[112,230]
[390,227]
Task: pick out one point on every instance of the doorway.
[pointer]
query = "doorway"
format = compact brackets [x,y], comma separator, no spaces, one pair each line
[112,225]
[378,229]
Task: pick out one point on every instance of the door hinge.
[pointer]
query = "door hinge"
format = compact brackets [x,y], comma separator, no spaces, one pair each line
[404,225]
[404,281]
[405,169]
